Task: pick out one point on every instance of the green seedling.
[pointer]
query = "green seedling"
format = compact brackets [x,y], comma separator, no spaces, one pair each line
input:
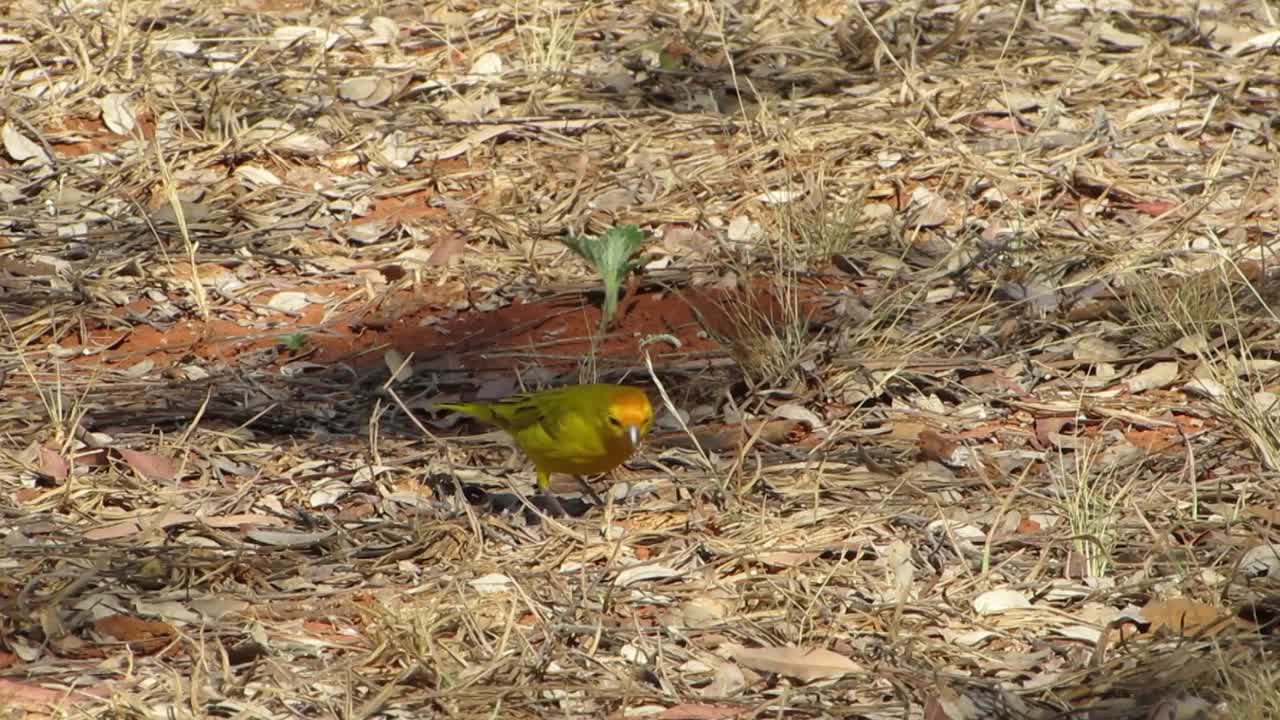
[613,256]
[294,342]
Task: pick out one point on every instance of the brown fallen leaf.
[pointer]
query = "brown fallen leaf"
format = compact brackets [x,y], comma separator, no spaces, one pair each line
[803,664]
[1182,616]
[447,248]
[944,450]
[53,464]
[149,465]
[145,636]
[18,694]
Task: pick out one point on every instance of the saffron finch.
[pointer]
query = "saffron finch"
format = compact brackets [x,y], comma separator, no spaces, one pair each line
[577,430]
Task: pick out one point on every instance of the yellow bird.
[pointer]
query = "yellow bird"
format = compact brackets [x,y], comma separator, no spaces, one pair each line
[577,430]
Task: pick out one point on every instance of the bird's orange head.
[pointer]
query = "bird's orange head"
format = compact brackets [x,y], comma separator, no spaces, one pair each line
[630,414]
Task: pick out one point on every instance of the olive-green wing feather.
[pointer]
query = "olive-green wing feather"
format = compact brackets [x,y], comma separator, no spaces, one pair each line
[549,421]
[516,413]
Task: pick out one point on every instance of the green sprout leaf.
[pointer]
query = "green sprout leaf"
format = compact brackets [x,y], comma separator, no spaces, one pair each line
[612,256]
[294,342]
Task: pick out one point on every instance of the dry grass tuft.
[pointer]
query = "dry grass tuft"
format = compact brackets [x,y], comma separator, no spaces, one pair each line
[1165,310]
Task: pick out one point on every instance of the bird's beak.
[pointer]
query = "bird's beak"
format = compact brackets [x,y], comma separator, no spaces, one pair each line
[633,434]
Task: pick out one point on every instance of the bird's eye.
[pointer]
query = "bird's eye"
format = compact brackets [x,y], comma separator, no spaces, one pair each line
[615,421]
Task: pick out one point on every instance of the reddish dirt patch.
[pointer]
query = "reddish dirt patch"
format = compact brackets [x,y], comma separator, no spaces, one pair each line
[554,332]
[412,206]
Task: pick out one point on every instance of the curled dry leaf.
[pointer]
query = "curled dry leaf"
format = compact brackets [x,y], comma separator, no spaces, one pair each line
[116,113]
[491,583]
[743,229]
[383,31]
[258,175]
[487,64]
[643,573]
[399,365]
[367,91]
[20,147]
[926,209]
[185,46]
[994,602]
[1265,41]
[804,664]
[286,539]
[1116,37]
[289,301]
[1160,375]
[704,611]
[1261,561]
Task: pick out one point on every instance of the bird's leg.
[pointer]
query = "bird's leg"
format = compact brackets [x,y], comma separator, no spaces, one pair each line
[552,503]
[590,490]
[553,506]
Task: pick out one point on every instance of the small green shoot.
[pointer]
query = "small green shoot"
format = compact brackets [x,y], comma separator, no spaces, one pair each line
[613,256]
[294,342]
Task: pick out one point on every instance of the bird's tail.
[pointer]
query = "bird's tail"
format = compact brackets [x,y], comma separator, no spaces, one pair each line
[479,411]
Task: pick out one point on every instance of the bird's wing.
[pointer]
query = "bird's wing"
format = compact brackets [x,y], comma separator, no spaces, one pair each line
[554,431]
[518,412]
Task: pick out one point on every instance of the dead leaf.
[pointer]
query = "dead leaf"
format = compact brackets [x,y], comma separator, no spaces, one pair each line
[399,365]
[644,573]
[1261,561]
[926,209]
[489,63]
[144,636]
[289,301]
[802,664]
[704,611]
[258,175]
[946,451]
[116,113]
[728,680]
[1095,349]
[19,147]
[994,602]
[17,694]
[1160,375]
[149,465]
[447,248]
[287,539]
[1265,41]
[1116,37]
[1183,616]
[53,464]
[368,91]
